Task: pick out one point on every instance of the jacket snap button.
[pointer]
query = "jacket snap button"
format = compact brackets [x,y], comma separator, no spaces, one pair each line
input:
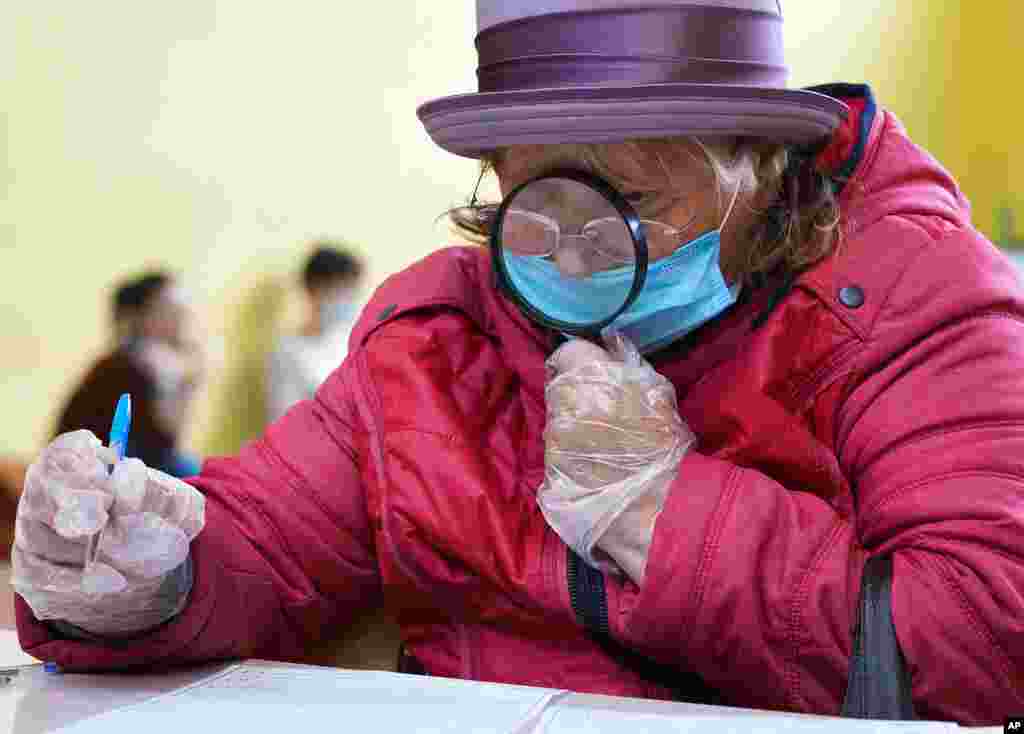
[852,296]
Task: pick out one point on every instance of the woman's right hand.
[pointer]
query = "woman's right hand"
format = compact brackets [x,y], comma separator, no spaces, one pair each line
[144,519]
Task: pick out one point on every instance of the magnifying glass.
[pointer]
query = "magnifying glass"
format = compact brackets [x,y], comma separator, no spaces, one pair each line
[570,251]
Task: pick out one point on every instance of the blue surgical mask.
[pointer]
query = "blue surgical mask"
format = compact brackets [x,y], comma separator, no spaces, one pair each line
[682,292]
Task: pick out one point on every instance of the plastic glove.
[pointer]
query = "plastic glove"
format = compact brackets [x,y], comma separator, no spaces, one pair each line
[613,443]
[145,520]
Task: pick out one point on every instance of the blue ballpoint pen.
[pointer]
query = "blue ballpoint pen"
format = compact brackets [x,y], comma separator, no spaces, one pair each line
[121,425]
[118,442]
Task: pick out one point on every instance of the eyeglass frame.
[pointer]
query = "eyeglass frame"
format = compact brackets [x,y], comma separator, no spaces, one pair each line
[552,225]
[629,217]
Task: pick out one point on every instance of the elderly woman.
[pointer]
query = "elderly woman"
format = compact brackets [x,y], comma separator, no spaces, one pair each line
[790,478]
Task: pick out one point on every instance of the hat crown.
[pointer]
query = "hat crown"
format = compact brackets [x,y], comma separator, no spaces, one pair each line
[545,44]
[495,12]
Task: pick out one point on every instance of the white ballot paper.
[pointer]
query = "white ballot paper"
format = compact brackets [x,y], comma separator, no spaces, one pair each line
[258,698]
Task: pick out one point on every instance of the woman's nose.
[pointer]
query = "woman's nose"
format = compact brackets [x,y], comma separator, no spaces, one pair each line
[570,261]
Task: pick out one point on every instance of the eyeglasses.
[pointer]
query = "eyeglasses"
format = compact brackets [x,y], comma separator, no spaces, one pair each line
[601,244]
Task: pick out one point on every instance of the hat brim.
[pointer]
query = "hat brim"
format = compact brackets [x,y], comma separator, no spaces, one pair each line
[471,125]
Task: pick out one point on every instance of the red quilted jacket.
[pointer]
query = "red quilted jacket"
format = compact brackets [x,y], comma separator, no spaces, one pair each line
[878,408]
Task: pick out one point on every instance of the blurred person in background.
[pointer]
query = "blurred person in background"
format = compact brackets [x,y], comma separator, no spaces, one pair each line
[158,359]
[302,361]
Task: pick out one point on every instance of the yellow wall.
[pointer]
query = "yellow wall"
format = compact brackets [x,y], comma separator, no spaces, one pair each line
[218,136]
[985,106]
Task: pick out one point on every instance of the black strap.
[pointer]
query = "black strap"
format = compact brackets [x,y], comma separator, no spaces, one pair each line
[879,685]
[588,597]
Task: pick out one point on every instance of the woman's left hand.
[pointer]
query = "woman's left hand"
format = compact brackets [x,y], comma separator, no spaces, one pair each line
[613,443]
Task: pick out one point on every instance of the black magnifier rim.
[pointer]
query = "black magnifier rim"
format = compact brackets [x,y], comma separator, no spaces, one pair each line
[629,217]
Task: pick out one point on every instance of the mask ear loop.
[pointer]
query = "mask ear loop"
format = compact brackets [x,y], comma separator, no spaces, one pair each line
[476,189]
[728,212]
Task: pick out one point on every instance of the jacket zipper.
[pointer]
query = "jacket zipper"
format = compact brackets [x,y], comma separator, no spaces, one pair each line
[587,594]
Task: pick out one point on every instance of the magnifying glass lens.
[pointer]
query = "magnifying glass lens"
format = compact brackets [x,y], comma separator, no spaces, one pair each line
[567,252]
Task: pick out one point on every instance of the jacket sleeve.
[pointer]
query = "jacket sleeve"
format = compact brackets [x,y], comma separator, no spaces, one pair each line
[754,585]
[286,551]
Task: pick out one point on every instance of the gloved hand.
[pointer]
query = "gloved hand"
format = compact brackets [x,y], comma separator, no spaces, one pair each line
[613,443]
[145,520]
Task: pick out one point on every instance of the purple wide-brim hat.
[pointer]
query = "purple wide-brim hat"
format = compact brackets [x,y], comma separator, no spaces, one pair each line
[587,71]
